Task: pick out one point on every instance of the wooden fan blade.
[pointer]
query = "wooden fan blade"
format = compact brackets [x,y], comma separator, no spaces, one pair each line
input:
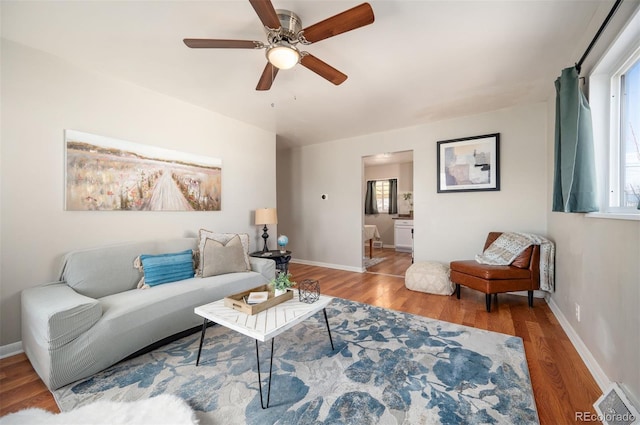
[206,43]
[267,14]
[323,69]
[267,77]
[348,20]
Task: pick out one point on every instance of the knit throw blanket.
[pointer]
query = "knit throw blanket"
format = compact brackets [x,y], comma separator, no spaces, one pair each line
[509,245]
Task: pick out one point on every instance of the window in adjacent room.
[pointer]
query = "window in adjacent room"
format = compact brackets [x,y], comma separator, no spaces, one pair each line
[382,195]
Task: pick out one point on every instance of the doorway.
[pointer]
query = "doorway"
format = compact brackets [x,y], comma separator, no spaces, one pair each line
[388,200]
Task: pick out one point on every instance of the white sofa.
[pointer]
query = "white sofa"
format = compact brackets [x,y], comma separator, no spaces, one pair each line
[94,316]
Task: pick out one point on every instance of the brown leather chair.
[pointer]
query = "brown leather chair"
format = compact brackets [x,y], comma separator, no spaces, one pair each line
[522,275]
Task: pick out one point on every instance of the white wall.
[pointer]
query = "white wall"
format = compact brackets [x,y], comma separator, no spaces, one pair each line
[42,96]
[598,259]
[598,267]
[447,226]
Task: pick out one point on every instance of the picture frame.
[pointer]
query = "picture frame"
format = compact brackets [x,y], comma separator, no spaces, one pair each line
[106,174]
[469,164]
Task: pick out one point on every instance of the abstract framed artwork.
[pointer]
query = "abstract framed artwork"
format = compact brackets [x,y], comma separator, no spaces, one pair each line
[469,164]
[105,174]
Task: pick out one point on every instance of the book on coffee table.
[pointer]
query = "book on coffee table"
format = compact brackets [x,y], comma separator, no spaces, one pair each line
[257,297]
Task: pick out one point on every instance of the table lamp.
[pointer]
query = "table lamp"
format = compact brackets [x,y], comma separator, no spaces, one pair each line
[266,216]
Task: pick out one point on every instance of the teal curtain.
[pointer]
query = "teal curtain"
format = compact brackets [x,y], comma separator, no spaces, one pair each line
[574,185]
[393,196]
[370,204]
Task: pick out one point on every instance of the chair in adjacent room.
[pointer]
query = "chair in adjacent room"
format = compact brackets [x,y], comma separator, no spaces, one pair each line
[523,274]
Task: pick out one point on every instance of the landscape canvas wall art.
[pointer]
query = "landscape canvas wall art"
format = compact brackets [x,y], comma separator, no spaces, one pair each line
[105,174]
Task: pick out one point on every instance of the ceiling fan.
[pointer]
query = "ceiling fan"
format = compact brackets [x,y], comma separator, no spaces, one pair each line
[284,31]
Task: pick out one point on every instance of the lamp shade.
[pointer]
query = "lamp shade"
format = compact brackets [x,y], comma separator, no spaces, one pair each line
[283,56]
[266,216]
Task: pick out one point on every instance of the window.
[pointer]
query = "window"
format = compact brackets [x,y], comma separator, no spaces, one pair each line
[625,158]
[614,97]
[382,195]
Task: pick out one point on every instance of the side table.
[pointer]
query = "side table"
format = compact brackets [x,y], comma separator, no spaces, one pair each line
[281,258]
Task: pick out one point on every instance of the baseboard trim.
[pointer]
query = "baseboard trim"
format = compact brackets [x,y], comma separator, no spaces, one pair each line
[598,374]
[330,266]
[11,349]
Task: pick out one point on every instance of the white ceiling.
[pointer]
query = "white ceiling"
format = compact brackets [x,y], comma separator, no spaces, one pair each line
[388,158]
[420,61]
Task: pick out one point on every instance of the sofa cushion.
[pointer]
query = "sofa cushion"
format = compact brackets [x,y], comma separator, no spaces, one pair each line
[484,271]
[103,271]
[169,267]
[130,310]
[218,258]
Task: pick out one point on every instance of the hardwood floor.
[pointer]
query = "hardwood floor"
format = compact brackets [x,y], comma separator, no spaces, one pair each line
[20,387]
[562,384]
[395,263]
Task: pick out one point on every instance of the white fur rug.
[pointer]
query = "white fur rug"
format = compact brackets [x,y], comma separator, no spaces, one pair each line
[163,409]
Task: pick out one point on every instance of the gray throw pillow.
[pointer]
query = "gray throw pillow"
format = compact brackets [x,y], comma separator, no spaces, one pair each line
[219,258]
[204,234]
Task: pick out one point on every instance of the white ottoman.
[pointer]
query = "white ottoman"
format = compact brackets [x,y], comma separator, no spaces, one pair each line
[429,276]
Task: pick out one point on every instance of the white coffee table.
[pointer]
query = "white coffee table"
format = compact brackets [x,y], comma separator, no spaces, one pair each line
[263,326]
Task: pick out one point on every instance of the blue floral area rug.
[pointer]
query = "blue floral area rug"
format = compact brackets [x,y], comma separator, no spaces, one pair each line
[387,367]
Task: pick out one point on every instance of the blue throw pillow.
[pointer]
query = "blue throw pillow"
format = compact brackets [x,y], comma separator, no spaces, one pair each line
[165,268]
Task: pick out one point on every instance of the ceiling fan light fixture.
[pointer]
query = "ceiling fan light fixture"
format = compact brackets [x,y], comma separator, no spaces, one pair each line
[284,31]
[283,55]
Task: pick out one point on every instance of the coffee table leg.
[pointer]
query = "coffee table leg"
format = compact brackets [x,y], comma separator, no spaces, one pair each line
[260,380]
[204,328]
[324,310]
